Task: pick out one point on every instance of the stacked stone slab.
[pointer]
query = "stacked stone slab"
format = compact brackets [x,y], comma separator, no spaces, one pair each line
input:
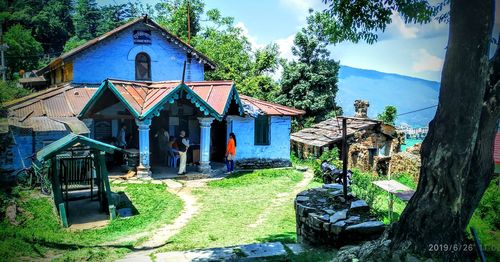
[325,217]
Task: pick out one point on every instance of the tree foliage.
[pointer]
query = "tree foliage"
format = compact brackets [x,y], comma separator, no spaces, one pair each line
[389,115]
[225,44]
[364,19]
[49,20]
[173,15]
[310,83]
[24,51]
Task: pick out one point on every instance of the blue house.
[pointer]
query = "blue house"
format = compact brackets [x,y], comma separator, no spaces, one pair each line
[134,76]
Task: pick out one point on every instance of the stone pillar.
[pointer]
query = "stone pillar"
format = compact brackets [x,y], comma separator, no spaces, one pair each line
[143,170]
[205,124]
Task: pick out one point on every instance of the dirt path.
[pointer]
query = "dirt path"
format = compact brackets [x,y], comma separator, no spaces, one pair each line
[161,235]
[282,198]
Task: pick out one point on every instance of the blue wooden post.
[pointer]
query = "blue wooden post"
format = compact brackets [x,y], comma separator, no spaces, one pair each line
[205,124]
[143,170]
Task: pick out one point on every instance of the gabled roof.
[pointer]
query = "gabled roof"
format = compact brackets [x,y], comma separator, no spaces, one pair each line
[69,141]
[144,99]
[330,131]
[256,106]
[169,36]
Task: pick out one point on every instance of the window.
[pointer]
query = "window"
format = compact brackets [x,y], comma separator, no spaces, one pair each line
[262,130]
[143,67]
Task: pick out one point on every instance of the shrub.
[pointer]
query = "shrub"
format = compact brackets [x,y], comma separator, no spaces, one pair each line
[331,156]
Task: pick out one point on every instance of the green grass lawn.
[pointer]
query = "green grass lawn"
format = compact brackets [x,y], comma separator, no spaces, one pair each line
[231,205]
[42,234]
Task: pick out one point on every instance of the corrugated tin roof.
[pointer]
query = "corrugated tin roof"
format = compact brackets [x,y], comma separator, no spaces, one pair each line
[269,108]
[142,97]
[330,131]
[176,40]
[54,109]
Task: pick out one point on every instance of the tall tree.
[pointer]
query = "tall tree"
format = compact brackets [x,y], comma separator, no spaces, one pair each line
[174,16]
[24,51]
[457,161]
[112,16]
[225,43]
[310,83]
[86,19]
[49,20]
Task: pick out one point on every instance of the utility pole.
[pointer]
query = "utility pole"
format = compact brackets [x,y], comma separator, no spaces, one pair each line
[344,156]
[3,48]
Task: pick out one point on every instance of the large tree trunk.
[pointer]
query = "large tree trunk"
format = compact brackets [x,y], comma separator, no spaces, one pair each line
[457,160]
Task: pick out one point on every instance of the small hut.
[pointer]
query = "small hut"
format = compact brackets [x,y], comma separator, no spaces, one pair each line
[77,162]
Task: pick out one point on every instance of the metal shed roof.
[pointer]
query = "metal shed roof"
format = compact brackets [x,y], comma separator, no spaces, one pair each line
[69,141]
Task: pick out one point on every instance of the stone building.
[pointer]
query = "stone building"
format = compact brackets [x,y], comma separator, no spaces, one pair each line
[371,142]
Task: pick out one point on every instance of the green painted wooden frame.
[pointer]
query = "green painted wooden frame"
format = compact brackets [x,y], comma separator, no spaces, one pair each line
[100,91]
[70,140]
[175,94]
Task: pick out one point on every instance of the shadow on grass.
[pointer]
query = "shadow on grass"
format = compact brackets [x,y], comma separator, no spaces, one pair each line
[287,237]
[72,247]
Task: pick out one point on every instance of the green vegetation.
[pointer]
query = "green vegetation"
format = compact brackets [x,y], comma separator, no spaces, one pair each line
[486,218]
[310,83]
[230,206]
[389,115]
[40,233]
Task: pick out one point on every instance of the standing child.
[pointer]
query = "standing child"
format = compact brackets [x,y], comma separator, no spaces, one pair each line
[231,152]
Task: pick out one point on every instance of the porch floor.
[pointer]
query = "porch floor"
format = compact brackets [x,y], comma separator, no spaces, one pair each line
[165,172]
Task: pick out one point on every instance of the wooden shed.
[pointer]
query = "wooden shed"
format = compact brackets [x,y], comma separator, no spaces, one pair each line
[77,162]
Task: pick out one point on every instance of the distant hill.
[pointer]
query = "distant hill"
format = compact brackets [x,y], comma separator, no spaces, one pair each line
[382,89]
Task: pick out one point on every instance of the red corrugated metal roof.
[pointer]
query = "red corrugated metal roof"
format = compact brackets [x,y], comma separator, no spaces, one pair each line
[142,96]
[271,108]
[496,152]
[40,109]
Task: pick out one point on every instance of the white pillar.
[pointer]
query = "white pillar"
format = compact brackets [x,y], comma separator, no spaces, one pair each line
[205,124]
[143,170]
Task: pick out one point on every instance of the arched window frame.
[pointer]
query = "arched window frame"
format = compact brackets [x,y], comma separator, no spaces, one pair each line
[137,63]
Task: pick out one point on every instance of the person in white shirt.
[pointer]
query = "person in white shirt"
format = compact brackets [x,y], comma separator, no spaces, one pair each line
[122,141]
[183,147]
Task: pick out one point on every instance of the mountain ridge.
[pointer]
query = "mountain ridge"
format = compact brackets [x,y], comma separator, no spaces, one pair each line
[407,93]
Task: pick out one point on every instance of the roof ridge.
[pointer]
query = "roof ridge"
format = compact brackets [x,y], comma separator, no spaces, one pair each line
[104,36]
[37,96]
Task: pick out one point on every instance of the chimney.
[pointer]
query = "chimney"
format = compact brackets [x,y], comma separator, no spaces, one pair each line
[361,108]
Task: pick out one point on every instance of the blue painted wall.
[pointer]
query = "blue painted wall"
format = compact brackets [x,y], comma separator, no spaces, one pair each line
[279,147]
[22,149]
[115,58]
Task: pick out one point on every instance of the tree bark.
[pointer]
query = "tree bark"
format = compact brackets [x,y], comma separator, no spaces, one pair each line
[457,162]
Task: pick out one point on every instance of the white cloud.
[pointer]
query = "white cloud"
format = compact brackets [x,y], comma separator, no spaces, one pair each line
[426,62]
[251,39]
[400,28]
[285,46]
[301,7]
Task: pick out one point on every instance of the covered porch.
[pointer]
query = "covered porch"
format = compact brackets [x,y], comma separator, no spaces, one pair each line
[148,109]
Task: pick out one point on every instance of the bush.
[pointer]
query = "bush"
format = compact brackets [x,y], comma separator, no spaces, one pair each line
[331,156]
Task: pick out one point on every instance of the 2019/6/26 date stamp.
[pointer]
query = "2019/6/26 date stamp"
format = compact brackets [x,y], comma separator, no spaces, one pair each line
[457,247]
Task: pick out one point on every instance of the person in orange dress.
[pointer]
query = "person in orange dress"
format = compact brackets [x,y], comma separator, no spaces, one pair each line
[231,152]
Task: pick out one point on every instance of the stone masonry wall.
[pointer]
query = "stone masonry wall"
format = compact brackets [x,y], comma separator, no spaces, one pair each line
[325,217]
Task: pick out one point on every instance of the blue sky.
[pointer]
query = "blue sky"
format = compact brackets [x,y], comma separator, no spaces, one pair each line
[413,50]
